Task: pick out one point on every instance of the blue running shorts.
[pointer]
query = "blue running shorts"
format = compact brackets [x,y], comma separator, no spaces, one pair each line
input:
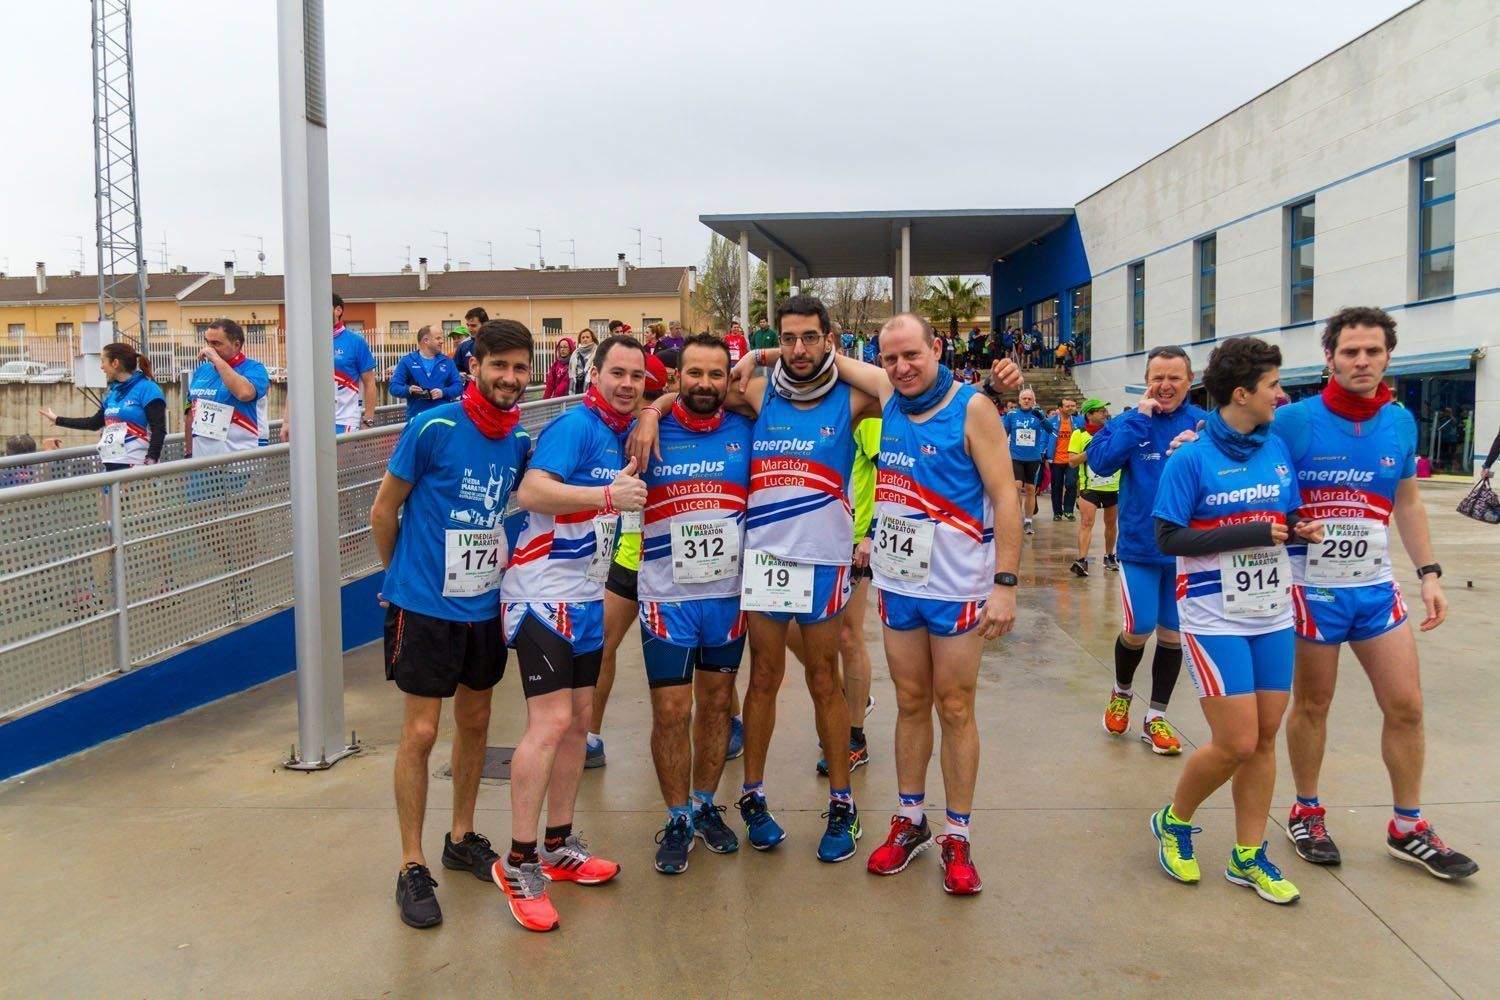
[903,613]
[1331,615]
[1223,665]
[830,594]
[1148,597]
[678,638]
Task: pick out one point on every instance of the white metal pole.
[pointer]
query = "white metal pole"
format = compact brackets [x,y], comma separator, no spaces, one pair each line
[745,281]
[906,268]
[771,290]
[314,459]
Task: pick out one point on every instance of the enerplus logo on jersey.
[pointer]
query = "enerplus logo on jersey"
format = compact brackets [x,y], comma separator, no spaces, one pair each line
[897,460]
[1245,494]
[777,446]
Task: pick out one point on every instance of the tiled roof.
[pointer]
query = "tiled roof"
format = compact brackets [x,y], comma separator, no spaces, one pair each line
[15,290]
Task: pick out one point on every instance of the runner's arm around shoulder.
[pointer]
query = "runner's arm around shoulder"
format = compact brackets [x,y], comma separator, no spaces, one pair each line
[385,515]
[871,380]
[543,492]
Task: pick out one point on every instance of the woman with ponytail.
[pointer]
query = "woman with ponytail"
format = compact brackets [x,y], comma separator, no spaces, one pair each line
[133,417]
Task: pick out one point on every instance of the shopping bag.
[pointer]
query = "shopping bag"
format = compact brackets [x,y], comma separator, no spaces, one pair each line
[1481,504]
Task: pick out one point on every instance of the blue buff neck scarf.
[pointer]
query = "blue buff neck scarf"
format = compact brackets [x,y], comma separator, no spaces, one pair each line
[930,398]
[1231,442]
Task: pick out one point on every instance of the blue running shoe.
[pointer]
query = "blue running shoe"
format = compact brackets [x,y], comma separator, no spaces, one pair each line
[593,754]
[843,830]
[676,840]
[708,823]
[736,739]
[765,832]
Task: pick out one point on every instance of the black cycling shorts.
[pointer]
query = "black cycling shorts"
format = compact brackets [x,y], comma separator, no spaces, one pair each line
[547,661]
[1103,499]
[1025,472]
[430,657]
[858,573]
[621,582]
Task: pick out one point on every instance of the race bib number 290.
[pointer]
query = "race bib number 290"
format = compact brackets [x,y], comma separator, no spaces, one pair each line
[1350,552]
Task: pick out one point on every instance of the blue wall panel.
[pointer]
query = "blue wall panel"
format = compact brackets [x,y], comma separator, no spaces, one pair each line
[223,666]
[1051,267]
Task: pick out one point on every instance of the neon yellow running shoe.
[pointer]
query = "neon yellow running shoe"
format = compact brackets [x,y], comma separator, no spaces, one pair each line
[1256,871]
[1176,845]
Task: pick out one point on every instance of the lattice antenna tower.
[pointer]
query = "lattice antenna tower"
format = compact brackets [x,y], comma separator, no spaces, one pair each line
[117,178]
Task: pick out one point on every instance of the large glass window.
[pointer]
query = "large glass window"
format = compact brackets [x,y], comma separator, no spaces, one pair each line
[1303,231]
[1081,305]
[1138,306]
[1208,256]
[1435,226]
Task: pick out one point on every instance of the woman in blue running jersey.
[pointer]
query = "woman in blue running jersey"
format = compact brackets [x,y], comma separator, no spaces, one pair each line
[132,418]
[1226,510]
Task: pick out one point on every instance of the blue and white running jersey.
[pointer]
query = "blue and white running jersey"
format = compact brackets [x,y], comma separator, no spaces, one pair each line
[550,555]
[701,476]
[925,475]
[1201,487]
[125,404]
[1348,472]
[799,480]
[1028,431]
[248,425]
[351,359]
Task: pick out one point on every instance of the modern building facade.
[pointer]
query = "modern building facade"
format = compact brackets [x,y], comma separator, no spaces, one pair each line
[1372,177]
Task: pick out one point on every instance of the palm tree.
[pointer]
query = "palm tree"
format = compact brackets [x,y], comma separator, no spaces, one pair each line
[953,301]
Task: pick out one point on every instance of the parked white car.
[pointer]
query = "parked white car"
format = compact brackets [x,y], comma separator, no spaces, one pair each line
[53,374]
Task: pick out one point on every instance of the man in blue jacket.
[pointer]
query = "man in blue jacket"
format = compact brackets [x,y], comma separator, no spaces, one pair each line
[1136,444]
[426,377]
[1027,430]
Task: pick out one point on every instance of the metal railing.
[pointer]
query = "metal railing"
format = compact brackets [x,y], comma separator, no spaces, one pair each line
[103,573]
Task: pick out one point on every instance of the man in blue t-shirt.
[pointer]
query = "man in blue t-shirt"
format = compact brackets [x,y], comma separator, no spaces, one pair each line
[438,524]
[426,377]
[1027,429]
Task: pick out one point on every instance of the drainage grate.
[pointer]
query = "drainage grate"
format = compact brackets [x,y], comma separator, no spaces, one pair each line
[496,766]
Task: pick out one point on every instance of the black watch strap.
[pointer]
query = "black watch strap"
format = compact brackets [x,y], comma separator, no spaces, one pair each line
[1434,568]
[1006,580]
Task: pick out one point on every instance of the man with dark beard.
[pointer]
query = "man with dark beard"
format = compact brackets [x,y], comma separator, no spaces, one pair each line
[692,628]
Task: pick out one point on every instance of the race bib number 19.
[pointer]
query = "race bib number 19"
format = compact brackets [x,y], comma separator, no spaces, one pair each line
[1257,582]
[772,584]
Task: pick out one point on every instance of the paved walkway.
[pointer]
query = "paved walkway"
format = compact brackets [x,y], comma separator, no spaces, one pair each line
[183,860]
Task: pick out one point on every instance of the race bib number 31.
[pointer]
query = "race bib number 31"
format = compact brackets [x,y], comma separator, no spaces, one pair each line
[605,529]
[1350,552]
[472,561]
[903,548]
[704,551]
[211,420]
[1257,582]
[772,584]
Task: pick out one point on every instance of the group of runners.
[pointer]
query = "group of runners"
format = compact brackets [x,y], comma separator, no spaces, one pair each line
[756,501]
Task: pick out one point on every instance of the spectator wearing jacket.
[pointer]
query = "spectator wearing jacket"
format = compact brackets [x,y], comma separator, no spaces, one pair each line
[558,377]
[426,377]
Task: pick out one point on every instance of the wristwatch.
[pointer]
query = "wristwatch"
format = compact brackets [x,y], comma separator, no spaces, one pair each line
[1430,568]
[1006,580]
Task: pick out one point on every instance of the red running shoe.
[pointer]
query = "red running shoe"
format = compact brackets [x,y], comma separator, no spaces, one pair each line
[960,877]
[905,841]
[572,862]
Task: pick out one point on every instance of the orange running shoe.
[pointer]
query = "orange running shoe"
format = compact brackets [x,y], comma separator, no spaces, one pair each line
[525,889]
[1117,714]
[1159,735]
[572,862]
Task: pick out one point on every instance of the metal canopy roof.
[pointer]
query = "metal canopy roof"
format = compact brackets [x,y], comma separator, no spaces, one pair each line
[868,244]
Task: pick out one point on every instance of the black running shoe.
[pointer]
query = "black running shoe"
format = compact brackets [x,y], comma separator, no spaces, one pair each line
[1425,848]
[709,825]
[676,840]
[473,854]
[1112,564]
[1309,835]
[1079,568]
[419,905]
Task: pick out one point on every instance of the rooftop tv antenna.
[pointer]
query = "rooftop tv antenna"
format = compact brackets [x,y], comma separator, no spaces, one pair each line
[447,254]
[541,260]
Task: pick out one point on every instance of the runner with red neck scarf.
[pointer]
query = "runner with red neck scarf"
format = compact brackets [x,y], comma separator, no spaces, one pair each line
[692,628]
[575,487]
[438,526]
[227,395]
[1355,456]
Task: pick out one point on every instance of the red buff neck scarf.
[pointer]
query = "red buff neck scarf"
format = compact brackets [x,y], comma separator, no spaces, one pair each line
[695,423]
[493,422]
[236,361]
[1346,404]
[613,419]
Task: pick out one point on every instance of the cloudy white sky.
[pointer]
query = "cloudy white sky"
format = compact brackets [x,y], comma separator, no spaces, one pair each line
[588,119]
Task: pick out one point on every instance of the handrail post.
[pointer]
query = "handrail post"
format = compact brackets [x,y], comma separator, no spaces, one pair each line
[122,596]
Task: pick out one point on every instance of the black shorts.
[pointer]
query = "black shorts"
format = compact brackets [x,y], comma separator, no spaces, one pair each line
[1101,498]
[1025,472]
[547,661]
[621,582]
[430,657]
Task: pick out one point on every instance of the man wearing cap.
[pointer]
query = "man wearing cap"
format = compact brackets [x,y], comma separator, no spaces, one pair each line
[1097,493]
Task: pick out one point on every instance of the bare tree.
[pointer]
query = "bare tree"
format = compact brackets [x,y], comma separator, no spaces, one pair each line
[718,295]
[850,301]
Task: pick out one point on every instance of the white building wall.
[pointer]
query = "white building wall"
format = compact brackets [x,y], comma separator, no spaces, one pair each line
[1346,130]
